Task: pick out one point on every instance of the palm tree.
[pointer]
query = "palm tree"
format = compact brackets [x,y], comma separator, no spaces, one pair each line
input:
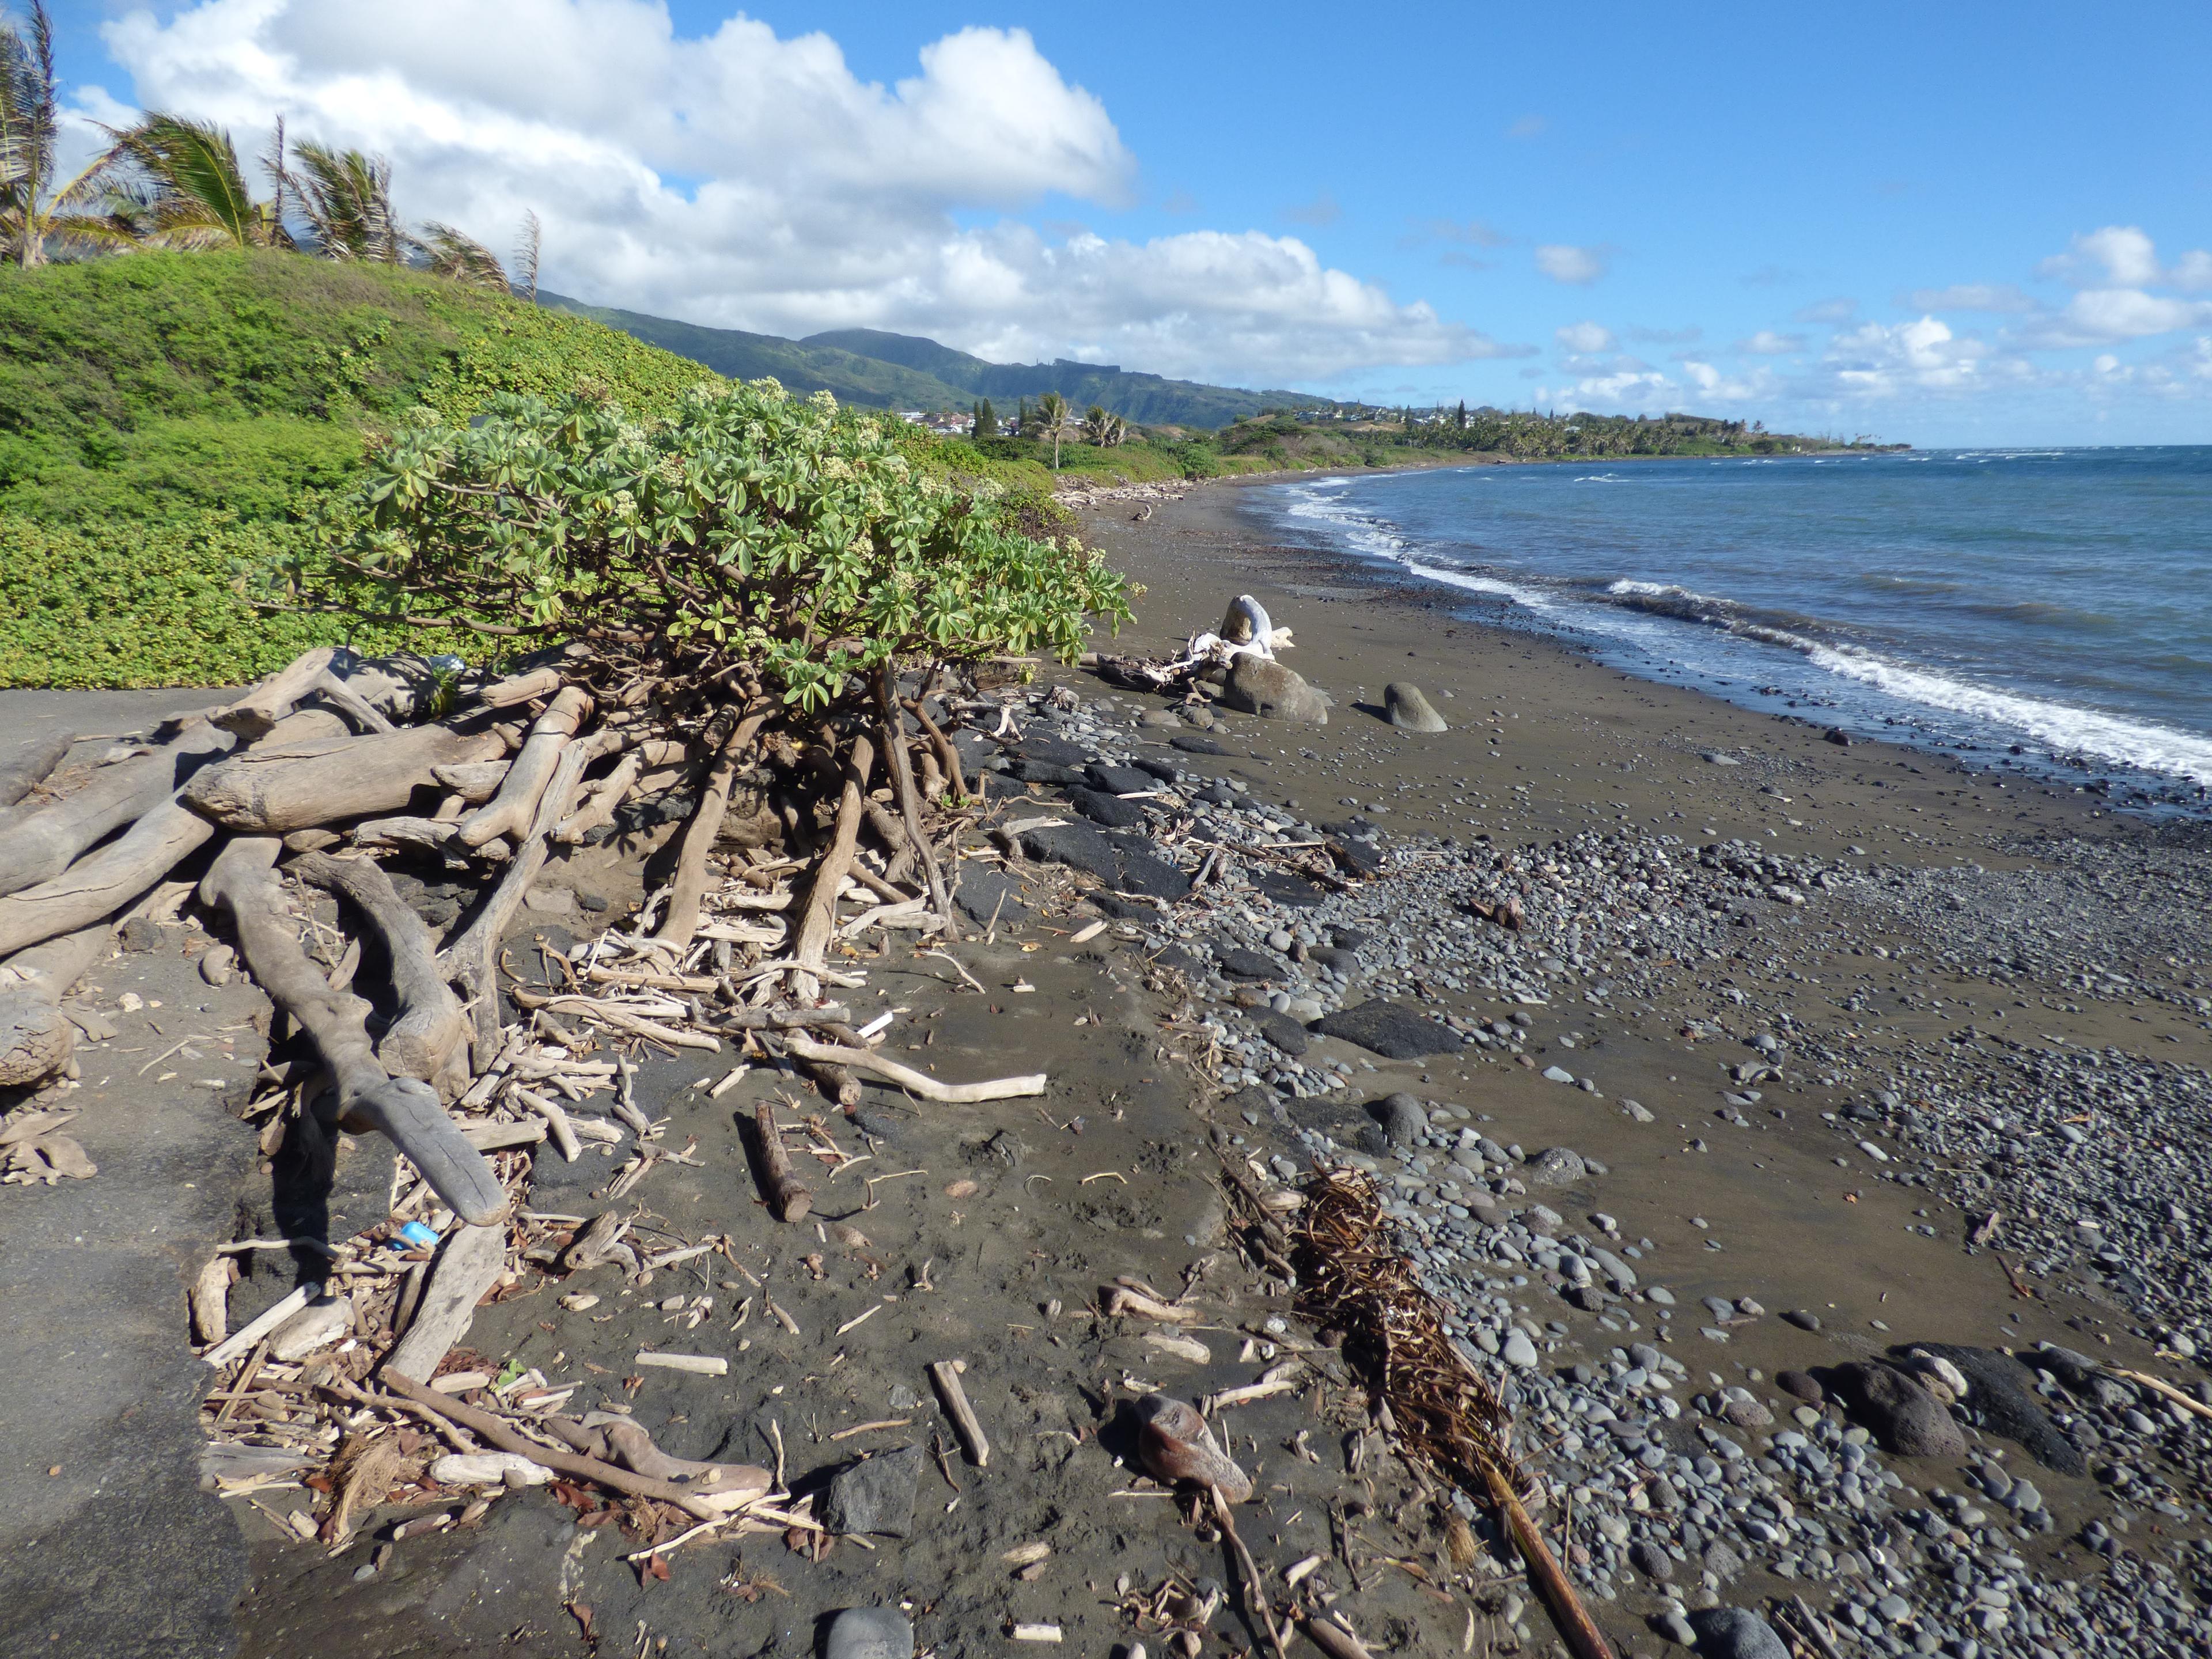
[1098,426]
[463,258]
[1054,421]
[179,184]
[32,210]
[1117,430]
[528,246]
[346,199]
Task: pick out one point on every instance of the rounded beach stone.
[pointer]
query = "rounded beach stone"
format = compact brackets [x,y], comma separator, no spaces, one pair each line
[869,1633]
[1257,686]
[1403,1118]
[1903,1415]
[1409,709]
[1735,1633]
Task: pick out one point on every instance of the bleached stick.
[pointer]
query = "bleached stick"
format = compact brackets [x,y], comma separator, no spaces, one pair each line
[919,1083]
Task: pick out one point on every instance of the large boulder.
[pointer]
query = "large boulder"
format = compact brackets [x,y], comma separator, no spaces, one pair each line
[1409,710]
[1904,1416]
[1257,686]
[1395,1033]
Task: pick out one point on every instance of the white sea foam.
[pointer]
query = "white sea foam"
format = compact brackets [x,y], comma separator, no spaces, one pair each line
[2068,729]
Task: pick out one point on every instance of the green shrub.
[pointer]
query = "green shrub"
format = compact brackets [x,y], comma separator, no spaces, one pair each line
[755,531]
[159,603]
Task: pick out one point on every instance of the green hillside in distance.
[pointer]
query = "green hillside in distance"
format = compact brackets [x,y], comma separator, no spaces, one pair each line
[738,355]
[1147,399]
[905,370]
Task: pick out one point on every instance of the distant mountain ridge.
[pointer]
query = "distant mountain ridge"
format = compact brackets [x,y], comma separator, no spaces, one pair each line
[906,371]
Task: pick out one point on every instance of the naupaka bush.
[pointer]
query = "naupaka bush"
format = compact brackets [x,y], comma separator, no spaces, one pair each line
[754,535]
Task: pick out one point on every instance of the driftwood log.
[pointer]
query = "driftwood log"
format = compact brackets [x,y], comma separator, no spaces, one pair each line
[690,887]
[274,788]
[788,1200]
[102,882]
[508,813]
[819,921]
[404,1109]
[33,766]
[469,1264]
[40,841]
[426,1038]
[36,1038]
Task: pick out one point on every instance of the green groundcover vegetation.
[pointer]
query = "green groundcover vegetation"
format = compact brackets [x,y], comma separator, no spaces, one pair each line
[170,423]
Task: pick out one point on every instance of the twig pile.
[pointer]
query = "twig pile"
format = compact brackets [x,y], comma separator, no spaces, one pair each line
[1445,1414]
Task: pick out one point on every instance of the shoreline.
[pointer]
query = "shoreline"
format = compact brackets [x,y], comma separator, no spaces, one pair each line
[2112,787]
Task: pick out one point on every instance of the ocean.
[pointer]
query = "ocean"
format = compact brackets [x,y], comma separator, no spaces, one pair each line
[2045,609]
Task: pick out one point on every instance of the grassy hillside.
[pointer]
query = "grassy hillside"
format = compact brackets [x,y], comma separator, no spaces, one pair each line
[167,420]
[1147,399]
[799,366]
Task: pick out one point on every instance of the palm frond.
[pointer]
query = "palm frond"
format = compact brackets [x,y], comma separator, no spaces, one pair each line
[346,198]
[188,191]
[460,258]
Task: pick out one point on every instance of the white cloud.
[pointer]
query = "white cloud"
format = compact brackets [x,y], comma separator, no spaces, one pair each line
[1969,297]
[2109,316]
[1768,344]
[2124,257]
[1880,359]
[2120,255]
[1563,262]
[1585,338]
[740,179]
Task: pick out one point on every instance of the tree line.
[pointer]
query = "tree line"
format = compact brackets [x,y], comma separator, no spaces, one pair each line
[166,181]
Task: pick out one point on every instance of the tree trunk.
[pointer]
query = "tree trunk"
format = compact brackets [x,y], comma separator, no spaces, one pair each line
[425,1039]
[404,1109]
[887,709]
[819,923]
[40,841]
[690,885]
[273,790]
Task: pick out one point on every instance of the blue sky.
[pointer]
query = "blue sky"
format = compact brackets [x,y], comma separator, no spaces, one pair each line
[1943,224]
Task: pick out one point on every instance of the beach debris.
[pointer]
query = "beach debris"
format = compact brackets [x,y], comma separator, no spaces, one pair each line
[1445,1414]
[1178,1449]
[875,1495]
[786,1197]
[945,1376]
[1407,707]
[869,1633]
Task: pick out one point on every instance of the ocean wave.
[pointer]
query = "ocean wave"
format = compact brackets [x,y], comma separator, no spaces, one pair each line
[2065,727]
[1600,477]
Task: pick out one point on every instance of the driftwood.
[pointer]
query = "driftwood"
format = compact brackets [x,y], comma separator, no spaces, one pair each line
[811,940]
[33,766]
[103,882]
[787,1198]
[887,711]
[495,1430]
[945,1375]
[523,688]
[469,957]
[425,1038]
[919,1083]
[474,782]
[600,800]
[260,708]
[509,811]
[273,789]
[40,841]
[689,886]
[406,1109]
[36,1038]
[470,1264]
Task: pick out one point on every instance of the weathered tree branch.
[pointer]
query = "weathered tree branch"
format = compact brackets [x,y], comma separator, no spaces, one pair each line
[426,1038]
[40,841]
[819,921]
[406,1109]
